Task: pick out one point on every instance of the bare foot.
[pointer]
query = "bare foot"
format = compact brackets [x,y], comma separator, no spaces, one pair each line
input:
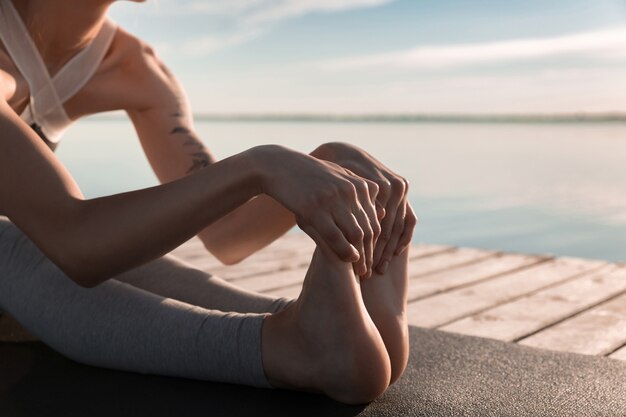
[326,341]
[385,296]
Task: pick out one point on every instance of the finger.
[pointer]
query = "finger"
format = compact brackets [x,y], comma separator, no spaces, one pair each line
[366,215]
[398,187]
[384,190]
[327,235]
[380,211]
[374,224]
[410,221]
[350,227]
[392,244]
[368,242]
[386,230]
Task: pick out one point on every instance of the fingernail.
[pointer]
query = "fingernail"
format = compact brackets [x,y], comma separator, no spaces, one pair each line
[384,266]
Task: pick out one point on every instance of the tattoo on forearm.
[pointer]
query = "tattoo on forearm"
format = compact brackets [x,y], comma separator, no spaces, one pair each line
[180,129]
[200,158]
[199,163]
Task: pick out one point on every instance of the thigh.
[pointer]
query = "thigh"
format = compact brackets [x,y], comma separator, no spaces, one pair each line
[174,278]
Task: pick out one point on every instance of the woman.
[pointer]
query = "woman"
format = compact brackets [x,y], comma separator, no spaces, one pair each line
[91,277]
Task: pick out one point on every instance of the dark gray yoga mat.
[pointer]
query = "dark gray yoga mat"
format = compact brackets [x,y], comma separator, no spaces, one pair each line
[448,375]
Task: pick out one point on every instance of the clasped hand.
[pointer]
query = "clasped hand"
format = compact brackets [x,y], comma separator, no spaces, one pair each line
[346,201]
[398,218]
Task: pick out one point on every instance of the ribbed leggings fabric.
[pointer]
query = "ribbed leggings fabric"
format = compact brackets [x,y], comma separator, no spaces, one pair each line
[165,317]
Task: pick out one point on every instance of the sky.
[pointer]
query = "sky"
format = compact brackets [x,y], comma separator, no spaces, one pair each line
[389,56]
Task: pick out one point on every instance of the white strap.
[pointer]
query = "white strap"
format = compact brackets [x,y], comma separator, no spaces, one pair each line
[47,95]
[77,72]
[28,61]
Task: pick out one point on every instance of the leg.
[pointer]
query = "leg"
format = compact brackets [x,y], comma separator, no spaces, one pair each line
[171,277]
[326,341]
[385,297]
[118,326]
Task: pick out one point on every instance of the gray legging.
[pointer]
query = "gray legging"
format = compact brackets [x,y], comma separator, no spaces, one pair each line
[165,317]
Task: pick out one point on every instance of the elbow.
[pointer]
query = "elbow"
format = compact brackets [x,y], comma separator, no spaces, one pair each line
[229,260]
[223,254]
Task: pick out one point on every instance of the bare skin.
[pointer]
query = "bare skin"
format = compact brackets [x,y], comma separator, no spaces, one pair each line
[326,341]
[346,334]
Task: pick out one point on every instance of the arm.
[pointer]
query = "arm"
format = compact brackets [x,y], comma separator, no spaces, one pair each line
[92,240]
[165,128]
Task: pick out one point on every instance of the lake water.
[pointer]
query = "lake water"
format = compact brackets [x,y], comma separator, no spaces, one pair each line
[555,188]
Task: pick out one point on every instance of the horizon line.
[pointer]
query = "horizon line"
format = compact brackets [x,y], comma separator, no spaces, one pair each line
[565,117]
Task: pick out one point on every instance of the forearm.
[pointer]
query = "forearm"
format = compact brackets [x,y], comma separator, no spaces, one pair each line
[93,240]
[247,229]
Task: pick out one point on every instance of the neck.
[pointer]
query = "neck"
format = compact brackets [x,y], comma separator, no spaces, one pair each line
[59,28]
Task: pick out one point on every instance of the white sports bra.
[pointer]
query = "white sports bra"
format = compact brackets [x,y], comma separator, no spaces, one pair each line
[45,112]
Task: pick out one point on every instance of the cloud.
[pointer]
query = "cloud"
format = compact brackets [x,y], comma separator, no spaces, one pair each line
[245,20]
[230,7]
[605,43]
[205,45]
[261,11]
[279,10]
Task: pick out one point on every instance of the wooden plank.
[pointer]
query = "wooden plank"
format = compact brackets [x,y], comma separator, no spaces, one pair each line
[423,286]
[291,251]
[286,247]
[597,331]
[292,291]
[264,265]
[421,250]
[445,260]
[191,249]
[619,354]
[274,280]
[527,315]
[423,259]
[446,307]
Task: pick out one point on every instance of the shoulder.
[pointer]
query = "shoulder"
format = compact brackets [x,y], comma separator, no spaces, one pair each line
[138,59]
[139,64]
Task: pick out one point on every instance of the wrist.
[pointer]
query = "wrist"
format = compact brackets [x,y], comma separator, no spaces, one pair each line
[262,160]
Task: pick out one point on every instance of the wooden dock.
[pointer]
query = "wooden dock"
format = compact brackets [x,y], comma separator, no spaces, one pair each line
[564,304]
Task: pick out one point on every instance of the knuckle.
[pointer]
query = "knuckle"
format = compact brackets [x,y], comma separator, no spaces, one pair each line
[384,188]
[361,186]
[357,234]
[407,185]
[348,189]
[373,187]
[397,185]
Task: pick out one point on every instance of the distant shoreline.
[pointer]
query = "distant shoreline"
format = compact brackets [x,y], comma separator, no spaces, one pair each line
[617,117]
